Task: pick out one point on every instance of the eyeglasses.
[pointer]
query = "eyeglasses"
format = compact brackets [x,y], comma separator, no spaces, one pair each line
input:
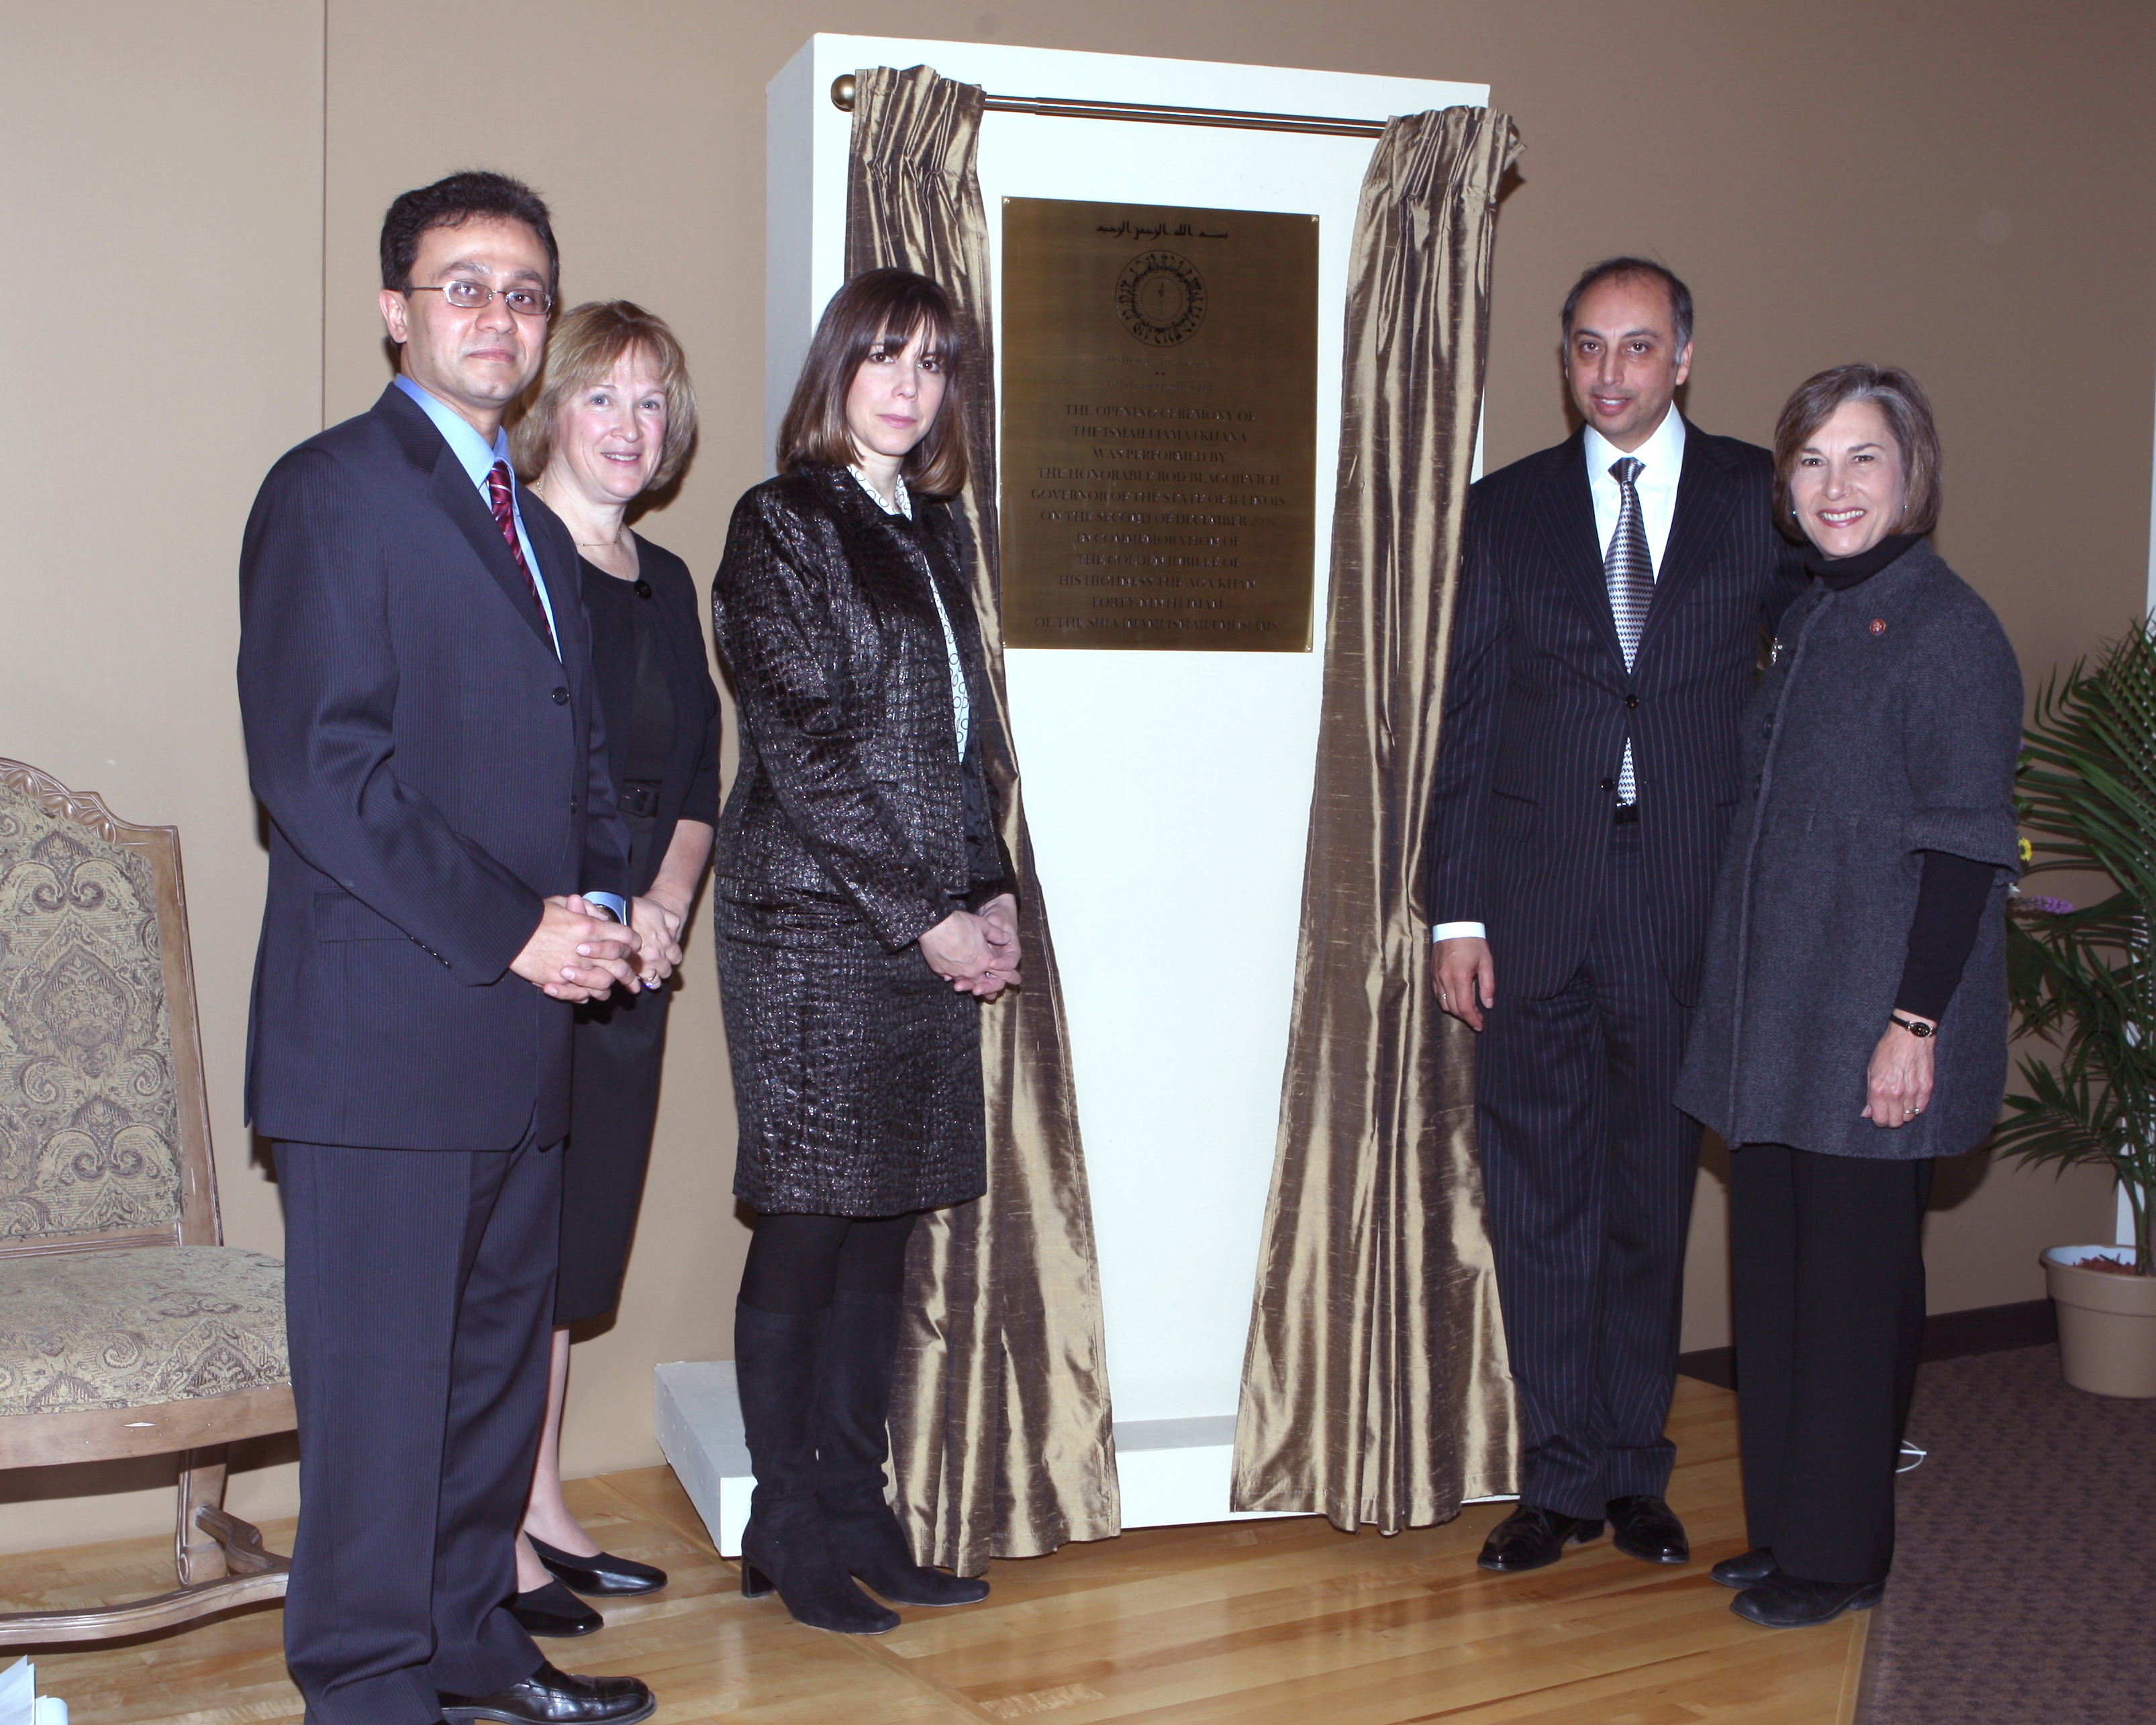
[472,295]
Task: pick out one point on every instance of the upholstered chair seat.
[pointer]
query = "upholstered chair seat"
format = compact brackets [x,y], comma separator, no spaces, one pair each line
[132,1329]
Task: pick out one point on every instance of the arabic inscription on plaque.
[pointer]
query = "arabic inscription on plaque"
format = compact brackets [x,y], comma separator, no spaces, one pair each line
[1159,427]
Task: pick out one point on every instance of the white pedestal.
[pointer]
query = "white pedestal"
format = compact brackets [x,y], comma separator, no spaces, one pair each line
[1172,1471]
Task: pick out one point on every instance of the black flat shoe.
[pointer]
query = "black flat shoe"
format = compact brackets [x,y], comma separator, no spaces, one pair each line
[554,1610]
[1645,1528]
[1748,1569]
[1531,1537]
[602,1574]
[1791,1602]
[552,1697]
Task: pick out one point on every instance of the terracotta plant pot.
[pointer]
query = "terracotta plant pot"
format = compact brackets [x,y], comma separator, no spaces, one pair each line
[2107,1322]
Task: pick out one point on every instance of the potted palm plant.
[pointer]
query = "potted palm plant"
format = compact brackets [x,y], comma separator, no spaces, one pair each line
[2084,983]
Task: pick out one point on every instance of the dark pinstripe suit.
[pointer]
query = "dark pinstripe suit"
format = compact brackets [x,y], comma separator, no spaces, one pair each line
[1595,930]
[432,771]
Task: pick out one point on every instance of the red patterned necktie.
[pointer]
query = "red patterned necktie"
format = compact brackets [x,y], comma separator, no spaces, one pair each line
[505,517]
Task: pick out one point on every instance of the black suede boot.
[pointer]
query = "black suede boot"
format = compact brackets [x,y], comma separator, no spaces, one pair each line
[786,1546]
[861,1345]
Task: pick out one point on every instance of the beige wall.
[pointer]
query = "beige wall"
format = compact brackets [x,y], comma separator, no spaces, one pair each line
[1962,187]
[163,203]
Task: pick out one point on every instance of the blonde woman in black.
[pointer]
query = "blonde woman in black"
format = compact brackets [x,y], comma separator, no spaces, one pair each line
[616,417]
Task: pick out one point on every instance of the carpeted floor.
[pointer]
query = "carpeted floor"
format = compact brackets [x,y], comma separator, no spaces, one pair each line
[2023,1590]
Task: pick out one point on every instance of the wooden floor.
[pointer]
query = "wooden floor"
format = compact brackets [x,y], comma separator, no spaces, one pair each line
[1268,1623]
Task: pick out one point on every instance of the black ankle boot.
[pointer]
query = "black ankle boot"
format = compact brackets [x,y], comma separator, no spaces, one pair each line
[786,1546]
[860,1345]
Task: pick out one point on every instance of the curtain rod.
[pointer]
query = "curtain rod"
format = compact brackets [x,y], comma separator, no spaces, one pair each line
[1065,108]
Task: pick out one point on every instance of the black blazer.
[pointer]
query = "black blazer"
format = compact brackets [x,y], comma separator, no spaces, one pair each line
[1538,705]
[850,791]
[431,772]
[689,789]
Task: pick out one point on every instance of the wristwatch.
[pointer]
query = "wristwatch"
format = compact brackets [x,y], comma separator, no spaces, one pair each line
[1913,1027]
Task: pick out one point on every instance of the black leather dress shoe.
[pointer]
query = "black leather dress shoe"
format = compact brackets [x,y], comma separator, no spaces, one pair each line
[1532,1538]
[552,1697]
[1791,1602]
[604,1574]
[1748,1568]
[554,1610]
[1646,1529]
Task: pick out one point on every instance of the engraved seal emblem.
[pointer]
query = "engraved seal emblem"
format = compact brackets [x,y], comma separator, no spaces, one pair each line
[1161,298]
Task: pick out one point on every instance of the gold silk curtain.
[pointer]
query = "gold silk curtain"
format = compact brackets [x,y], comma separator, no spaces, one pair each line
[1001,1443]
[1375,1386]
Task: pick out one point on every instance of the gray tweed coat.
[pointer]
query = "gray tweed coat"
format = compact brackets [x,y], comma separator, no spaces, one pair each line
[1888,724]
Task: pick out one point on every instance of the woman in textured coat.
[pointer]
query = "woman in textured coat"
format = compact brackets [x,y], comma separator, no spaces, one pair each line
[864,909]
[1853,1021]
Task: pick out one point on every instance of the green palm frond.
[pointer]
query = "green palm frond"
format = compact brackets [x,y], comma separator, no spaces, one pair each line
[2085,982]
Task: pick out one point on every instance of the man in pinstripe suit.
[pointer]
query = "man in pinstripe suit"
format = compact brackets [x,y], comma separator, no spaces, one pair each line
[1613,592]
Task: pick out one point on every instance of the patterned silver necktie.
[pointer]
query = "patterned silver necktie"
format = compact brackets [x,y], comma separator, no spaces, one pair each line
[1631,572]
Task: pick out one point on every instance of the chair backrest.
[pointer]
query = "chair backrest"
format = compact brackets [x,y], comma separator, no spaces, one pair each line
[104,1126]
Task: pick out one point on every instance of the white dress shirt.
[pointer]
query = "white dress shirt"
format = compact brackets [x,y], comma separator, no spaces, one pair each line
[1661,460]
[962,703]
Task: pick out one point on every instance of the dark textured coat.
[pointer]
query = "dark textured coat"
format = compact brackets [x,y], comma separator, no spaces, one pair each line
[850,791]
[1889,725]
[432,771]
[1538,705]
[857,1070]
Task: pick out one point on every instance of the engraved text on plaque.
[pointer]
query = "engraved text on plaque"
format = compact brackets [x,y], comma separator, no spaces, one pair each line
[1159,426]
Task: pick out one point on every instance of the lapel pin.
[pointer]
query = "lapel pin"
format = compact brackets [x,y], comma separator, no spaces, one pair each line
[1879,625]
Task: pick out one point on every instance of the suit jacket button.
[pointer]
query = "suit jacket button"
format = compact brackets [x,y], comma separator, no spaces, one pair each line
[1608,784]
[572,805]
[561,697]
[644,589]
[1631,701]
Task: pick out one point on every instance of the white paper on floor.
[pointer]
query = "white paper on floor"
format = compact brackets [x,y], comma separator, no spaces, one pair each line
[20,1704]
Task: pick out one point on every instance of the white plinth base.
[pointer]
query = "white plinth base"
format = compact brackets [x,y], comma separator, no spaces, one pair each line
[1173,1471]
[697,1420]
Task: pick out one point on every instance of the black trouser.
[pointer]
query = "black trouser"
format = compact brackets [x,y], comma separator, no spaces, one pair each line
[1588,1169]
[419,1296]
[1829,1282]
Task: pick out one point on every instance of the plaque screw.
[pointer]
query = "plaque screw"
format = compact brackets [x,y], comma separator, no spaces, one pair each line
[842,92]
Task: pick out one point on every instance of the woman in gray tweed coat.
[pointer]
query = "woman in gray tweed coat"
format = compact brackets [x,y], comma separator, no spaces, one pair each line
[864,909]
[1852,1023]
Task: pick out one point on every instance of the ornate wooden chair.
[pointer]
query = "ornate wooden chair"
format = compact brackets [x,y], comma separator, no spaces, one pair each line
[126,1327]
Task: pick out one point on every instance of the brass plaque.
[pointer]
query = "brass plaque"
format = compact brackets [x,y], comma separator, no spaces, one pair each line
[1159,426]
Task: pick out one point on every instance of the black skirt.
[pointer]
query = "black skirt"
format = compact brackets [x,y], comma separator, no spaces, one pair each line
[857,1070]
[614,1103]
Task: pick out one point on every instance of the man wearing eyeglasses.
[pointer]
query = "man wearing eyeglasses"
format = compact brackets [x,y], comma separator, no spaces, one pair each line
[445,871]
